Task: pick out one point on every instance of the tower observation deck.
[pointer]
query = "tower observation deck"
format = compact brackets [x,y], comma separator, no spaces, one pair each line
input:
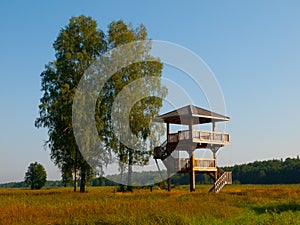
[191,139]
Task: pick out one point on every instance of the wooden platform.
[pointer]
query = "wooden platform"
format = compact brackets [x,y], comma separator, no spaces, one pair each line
[182,165]
[200,137]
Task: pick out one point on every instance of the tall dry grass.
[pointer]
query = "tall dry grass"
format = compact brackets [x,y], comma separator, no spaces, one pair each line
[236,204]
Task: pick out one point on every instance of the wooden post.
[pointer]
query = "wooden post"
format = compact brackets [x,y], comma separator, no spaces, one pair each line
[191,129]
[215,157]
[168,173]
[168,132]
[191,152]
[214,150]
[215,163]
[192,173]
[168,181]
[214,129]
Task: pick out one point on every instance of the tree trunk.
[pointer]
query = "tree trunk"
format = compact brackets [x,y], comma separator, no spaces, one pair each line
[75,171]
[82,182]
[130,162]
[122,186]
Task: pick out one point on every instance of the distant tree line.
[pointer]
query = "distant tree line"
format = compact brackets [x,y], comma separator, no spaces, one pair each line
[259,172]
[48,184]
[267,172]
[14,185]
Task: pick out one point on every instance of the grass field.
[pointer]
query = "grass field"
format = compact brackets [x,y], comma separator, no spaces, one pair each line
[235,204]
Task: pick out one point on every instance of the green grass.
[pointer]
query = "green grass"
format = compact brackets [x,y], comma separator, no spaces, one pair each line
[235,204]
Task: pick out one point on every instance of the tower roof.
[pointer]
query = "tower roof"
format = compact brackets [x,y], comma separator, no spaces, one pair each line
[190,112]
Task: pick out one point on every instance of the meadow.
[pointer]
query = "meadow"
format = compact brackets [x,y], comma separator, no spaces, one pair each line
[235,204]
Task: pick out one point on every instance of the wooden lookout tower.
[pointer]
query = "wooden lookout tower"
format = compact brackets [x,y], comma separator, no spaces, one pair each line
[190,140]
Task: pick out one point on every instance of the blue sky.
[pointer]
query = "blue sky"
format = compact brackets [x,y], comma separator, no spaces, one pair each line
[252,47]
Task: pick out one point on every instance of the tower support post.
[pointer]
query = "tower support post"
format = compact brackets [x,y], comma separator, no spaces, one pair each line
[168,181]
[192,173]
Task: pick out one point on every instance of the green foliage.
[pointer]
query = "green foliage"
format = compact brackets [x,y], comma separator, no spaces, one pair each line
[259,172]
[13,185]
[101,181]
[35,176]
[22,184]
[141,112]
[267,172]
[76,47]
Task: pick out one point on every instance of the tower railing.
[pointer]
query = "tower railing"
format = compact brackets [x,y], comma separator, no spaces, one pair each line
[200,136]
[199,163]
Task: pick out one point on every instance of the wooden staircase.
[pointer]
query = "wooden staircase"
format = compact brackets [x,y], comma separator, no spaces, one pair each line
[223,179]
[163,153]
[160,152]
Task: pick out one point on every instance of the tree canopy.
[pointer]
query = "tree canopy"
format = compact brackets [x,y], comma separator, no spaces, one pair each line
[115,101]
[35,176]
[77,46]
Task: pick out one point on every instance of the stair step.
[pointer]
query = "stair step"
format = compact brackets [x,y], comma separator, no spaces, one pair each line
[225,178]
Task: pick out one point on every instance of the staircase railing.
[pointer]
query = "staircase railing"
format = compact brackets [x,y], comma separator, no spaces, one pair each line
[225,178]
[161,151]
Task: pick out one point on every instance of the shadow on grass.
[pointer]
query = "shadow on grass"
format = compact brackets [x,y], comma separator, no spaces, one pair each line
[277,208]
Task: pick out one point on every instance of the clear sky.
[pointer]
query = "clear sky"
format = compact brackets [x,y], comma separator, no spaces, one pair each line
[253,48]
